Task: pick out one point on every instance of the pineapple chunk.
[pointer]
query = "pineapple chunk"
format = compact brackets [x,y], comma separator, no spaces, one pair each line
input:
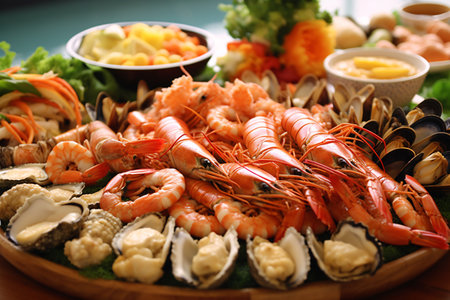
[389,72]
[368,63]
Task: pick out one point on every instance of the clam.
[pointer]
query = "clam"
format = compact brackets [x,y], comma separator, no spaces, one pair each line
[351,253]
[142,247]
[280,265]
[206,263]
[27,173]
[41,224]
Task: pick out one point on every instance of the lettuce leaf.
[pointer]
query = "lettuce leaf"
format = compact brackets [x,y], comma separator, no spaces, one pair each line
[437,85]
[268,21]
[7,59]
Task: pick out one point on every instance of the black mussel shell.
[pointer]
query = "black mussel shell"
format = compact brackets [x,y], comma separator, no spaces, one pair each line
[427,126]
[442,137]
[408,169]
[396,160]
[431,106]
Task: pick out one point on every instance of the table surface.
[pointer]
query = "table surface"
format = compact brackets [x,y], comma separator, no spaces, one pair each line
[28,24]
[433,284]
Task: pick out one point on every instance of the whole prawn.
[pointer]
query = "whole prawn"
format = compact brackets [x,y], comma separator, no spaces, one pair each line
[71,162]
[327,149]
[261,139]
[167,185]
[120,154]
[246,219]
[388,232]
[185,153]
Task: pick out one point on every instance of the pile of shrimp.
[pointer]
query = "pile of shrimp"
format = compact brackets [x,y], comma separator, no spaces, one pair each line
[216,157]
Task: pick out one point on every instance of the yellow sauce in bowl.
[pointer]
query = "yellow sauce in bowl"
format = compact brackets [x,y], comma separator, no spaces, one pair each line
[375,67]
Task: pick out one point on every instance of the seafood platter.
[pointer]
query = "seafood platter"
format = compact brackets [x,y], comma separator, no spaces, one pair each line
[265,182]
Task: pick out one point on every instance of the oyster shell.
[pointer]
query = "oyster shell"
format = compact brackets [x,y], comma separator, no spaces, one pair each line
[41,224]
[65,192]
[27,173]
[356,253]
[185,249]
[297,263]
[142,247]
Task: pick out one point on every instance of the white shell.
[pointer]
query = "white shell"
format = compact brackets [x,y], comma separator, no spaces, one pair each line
[294,244]
[62,222]
[167,229]
[26,173]
[352,233]
[64,192]
[184,248]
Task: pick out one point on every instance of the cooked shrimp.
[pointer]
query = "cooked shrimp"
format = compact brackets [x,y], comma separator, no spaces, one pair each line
[120,154]
[185,153]
[167,185]
[246,220]
[71,162]
[226,122]
[196,218]
[388,232]
[230,213]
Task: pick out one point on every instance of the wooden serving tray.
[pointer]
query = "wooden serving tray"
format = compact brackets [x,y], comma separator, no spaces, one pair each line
[70,282]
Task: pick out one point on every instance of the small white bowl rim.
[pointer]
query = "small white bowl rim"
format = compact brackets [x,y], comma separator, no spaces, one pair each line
[420,17]
[422,65]
[74,42]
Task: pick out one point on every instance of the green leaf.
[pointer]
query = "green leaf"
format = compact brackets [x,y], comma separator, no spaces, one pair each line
[7,59]
[8,84]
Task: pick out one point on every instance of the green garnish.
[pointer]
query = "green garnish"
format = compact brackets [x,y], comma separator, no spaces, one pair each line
[268,21]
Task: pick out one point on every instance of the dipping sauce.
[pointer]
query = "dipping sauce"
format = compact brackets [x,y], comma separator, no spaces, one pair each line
[375,67]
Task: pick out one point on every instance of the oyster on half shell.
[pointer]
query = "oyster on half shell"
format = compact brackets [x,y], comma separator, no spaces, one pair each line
[41,224]
[64,192]
[351,253]
[281,265]
[27,173]
[142,247]
[206,263]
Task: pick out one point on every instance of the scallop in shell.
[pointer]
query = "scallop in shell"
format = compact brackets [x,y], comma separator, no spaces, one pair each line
[206,263]
[280,265]
[351,253]
[142,247]
[41,224]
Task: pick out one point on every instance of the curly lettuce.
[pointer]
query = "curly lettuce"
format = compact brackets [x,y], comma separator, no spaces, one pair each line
[268,21]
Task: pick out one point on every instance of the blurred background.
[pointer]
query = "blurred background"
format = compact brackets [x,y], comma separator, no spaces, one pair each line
[27,24]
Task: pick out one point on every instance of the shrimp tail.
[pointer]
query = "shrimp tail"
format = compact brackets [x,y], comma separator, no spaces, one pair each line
[319,207]
[428,239]
[95,173]
[292,218]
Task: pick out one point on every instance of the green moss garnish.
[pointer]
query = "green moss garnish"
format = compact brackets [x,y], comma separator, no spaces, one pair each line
[103,270]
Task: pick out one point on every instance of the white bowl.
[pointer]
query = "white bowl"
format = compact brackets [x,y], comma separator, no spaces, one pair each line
[400,90]
[154,75]
[417,15]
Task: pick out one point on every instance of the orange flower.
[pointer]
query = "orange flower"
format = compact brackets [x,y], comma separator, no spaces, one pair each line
[255,58]
[306,47]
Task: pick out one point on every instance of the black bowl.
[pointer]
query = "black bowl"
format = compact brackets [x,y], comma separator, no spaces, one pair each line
[154,75]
